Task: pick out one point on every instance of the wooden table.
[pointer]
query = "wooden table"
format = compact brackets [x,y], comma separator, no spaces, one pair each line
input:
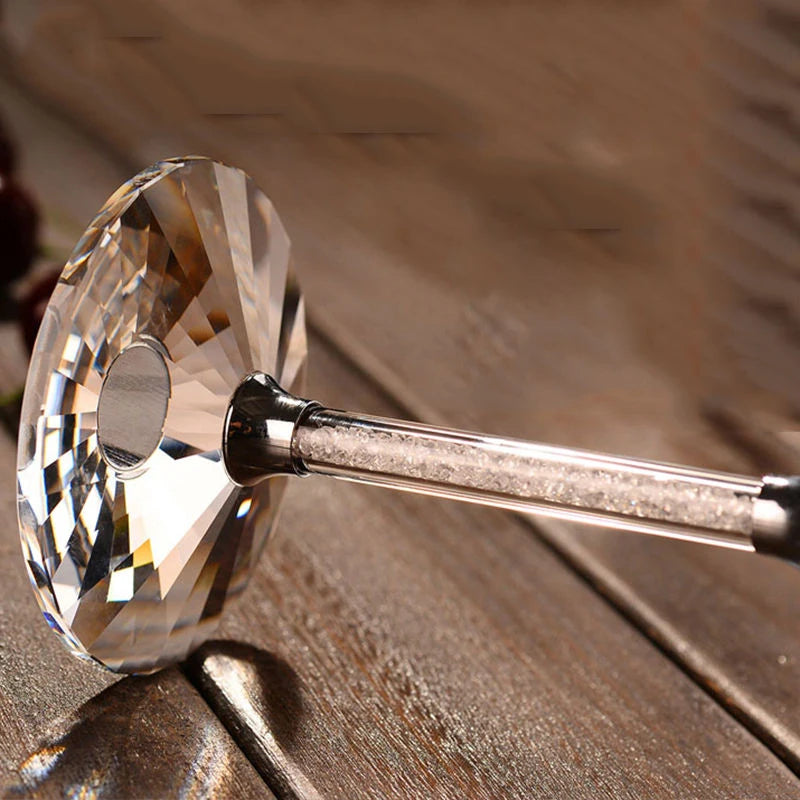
[574,222]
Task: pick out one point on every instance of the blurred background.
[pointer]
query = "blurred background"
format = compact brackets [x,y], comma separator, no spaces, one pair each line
[588,211]
[574,222]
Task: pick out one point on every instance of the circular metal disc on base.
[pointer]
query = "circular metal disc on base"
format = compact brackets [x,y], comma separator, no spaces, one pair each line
[133,533]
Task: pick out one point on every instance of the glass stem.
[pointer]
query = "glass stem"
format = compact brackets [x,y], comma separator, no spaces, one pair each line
[271,432]
[648,497]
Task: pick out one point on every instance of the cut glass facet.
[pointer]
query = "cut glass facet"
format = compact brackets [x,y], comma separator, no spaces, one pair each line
[134,556]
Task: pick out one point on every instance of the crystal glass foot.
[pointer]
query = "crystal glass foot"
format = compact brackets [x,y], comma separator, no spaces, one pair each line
[133,533]
[161,420]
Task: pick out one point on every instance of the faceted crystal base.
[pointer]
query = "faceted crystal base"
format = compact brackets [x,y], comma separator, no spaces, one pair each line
[133,533]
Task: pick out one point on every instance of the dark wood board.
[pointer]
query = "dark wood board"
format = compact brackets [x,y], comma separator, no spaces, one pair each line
[556,335]
[67,725]
[543,294]
[398,646]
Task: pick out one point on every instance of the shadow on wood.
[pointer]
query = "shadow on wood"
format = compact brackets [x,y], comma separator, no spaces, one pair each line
[106,748]
[235,676]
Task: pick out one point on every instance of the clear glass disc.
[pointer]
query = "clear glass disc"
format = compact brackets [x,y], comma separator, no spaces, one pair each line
[133,534]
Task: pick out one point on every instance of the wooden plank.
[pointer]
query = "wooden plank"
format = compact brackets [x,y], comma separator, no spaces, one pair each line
[396,646]
[560,357]
[66,724]
[430,260]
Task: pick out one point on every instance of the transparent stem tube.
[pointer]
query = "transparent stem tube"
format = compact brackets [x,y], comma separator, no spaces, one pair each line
[628,494]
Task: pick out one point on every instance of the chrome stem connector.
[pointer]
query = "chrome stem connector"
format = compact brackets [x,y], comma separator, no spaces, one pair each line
[259,429]
[776,518]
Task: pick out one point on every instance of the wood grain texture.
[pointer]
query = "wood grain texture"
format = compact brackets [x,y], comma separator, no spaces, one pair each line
[526,249]
[69,727]
[427,648]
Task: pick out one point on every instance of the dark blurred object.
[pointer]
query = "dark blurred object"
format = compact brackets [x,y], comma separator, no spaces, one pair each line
[32,306]
[19,226]
[19,229]
[19,218]
[10,410]
[8,155]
